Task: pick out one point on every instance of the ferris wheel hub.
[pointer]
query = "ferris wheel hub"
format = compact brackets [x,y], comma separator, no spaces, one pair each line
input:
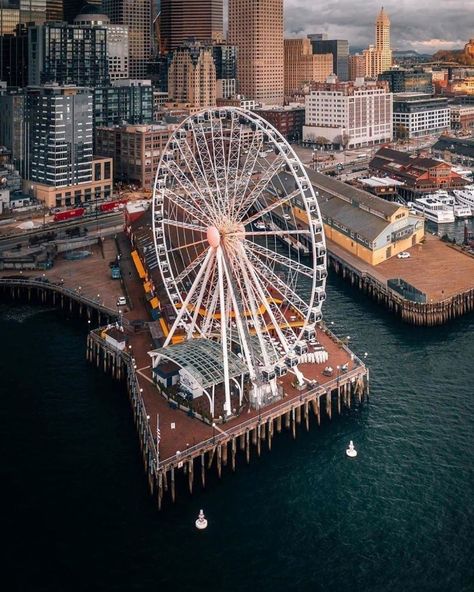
[213,237]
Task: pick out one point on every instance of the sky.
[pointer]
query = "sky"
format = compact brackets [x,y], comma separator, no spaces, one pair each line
[421,25]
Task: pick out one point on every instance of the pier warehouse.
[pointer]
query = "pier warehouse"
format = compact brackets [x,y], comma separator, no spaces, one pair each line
[366,226]
[420,174]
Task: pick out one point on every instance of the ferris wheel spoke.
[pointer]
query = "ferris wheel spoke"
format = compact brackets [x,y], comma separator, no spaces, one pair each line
[259,187]
[184,225]
[265,298]
[181,247]
[184,309]
[243,181]
[271,207]
[209,165]
[199,301]
[186,205]
[280,259]
[287,293]
[306,232]
[202,170]
[191,267]
[253,310]
[241,329]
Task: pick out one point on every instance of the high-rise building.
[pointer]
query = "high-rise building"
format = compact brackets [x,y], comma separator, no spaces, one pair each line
[256,28]
[356,66]
[225,61]
[18,12]
[135,149]
[192,76]
[338,48]
[403,81]
[349,115]
[54,10]
[378,58]
[181,20]
[125,100]
[302,65]
[417,114]
[67,54]
[117,39]
[12,126]
[136,15]
[59,121]
[14,58]
[60,168]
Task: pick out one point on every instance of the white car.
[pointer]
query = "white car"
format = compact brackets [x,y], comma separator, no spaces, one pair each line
[121,301]
[287,216]
[403,255]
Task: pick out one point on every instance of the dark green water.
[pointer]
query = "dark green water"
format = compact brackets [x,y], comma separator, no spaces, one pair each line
[76,514]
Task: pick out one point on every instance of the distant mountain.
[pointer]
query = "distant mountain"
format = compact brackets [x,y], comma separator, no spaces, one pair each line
[408,53]
[453,55]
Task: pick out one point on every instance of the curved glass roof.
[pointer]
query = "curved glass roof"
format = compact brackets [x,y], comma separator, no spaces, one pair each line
[203,360]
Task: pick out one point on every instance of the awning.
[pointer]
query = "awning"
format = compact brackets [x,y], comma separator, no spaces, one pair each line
[138,264]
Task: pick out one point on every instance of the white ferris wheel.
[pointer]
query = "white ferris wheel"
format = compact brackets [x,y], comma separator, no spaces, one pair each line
[240,245]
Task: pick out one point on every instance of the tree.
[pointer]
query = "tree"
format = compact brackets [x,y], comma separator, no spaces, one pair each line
[401,131]
[322,141]
[342,140]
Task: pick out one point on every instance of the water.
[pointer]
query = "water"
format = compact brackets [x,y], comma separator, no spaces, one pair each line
[77,516]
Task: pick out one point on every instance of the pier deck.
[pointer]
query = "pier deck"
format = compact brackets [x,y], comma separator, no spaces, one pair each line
[442,273]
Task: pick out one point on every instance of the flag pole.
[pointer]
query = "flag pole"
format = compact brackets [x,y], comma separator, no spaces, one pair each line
[158,438]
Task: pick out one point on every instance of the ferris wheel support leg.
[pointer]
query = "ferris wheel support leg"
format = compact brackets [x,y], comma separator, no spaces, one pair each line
[227,405]
[183,310]
[301,381]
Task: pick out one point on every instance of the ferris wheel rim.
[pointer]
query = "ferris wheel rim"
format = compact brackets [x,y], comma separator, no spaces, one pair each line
[209,256]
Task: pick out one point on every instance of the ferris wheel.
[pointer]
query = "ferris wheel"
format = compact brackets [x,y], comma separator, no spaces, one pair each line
[240,245]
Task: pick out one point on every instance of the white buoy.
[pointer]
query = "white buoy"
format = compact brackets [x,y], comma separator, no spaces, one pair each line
[351,451]
[201,522]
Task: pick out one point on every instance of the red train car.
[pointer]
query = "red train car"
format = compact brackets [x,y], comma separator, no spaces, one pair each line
[68,214]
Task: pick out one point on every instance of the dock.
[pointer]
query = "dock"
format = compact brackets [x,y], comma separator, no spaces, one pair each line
[188,448]
[433,286]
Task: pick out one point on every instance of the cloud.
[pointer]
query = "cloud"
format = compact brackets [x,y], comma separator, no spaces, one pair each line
[424,25]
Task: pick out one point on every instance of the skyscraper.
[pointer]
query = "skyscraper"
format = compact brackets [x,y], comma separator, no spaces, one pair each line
[136,14]
[59,121]
[182,20]
[378,58]
[16,12]
[339,48]
[256,28]
[302,65]
[67,54]
[192,76]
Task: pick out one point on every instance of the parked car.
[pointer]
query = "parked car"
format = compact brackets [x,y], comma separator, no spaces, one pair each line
[403,255]
[121,301]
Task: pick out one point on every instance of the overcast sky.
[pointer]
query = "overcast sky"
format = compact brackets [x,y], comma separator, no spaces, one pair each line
[422,25]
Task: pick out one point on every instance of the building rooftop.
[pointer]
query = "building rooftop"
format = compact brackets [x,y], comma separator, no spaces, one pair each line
[202,359]
[461,146]
[371,203]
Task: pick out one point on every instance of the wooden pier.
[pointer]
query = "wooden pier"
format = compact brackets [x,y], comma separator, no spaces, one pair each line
[443,274]
[210,447]
[37,291]
[237,440]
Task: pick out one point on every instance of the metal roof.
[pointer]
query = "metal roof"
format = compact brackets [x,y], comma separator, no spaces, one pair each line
[353,218]
[332,187]
[202,359]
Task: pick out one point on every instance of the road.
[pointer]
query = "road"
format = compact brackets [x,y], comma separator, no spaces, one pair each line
[102,223]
